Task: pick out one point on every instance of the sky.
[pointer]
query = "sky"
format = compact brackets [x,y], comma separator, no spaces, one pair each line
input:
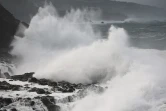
[158,3]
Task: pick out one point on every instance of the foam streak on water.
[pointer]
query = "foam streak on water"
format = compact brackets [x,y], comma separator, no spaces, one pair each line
[67,48]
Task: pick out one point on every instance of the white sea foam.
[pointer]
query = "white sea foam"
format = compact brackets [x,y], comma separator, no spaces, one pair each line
[60,48]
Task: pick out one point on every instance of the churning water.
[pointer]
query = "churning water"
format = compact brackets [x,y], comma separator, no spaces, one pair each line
[72,49]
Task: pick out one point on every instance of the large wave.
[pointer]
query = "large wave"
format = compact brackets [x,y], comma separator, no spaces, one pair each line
[67,48]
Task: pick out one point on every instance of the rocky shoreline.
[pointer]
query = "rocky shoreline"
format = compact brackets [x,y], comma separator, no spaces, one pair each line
[24,92]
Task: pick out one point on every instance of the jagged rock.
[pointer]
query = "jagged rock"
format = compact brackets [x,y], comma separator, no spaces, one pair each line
[3,110]
[7,75]
[23,77]
[39,91]
[67,99]
[5,101]
[64,87]
[53,107]
[13,109]
[46,102]
[8,27]
[32,103]
[29,104]
[6,86]
[43,82]
[50,104]
[34,80]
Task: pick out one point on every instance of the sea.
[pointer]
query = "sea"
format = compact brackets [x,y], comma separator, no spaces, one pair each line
[126,57]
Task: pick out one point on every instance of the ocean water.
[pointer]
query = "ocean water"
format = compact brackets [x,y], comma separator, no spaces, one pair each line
[147,35]
[127,57]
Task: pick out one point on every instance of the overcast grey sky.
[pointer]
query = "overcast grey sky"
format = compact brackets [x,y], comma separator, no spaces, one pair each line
[158,3]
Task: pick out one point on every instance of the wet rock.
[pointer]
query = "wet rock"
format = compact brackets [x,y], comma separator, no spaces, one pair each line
[70,98]
[46,102]
[13,109]
[66,89]
[28,104]
[5,102]
[47,82]
[62,86]
[28,99]
[24,77]
[54,84]
[67,99]
[39,91]
[7,75]
[49,102]
[92,88]
[53,107]
[17,94]
[82,93]
[3,110]
[34,80]
[43,82]
[6,86]
[32,103]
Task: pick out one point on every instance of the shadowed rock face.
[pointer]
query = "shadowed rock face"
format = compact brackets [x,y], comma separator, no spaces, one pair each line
[8,27]
[6,86]
[5,101]
[62,86]
[31,93]
[50,104]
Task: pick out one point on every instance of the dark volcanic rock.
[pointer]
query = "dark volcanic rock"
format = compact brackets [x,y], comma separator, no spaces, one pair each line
[43,82]
[34,80]
[13,109]
[8,27]
[6,86]
[62,86]
[24,77]
[32,103]
[41,98]
[67,99]
[7,75]
[48,101]
[39,91]
[5,102]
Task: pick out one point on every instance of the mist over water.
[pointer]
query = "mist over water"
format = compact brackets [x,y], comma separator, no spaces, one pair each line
[67,48]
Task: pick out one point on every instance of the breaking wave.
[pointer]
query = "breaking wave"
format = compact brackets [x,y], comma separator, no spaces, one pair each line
[67,48]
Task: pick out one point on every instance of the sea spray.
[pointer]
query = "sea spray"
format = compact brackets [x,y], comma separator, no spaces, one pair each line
[92,63]
[66,48]
[49,36]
